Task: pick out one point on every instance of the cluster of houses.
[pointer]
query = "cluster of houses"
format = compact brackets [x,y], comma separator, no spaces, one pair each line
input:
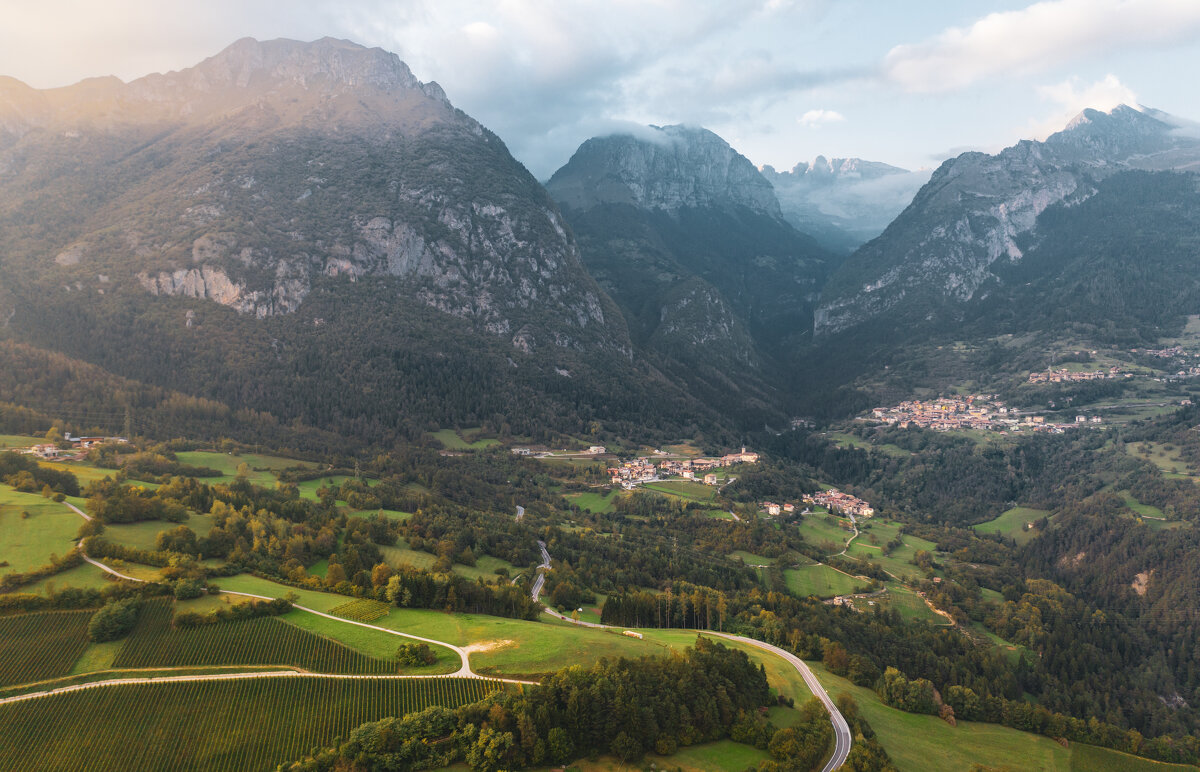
[974,411]
[970,412]
[640,470]
[842,503]
[79,446]
[772,508]
[1162,353]
[1062,375]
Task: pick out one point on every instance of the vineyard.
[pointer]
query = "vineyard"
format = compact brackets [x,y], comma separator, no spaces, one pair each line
[260,641]
[34,647]
[216,726]
[362,610]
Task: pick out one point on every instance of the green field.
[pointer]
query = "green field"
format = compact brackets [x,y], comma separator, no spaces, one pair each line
[19,441]
[600,503]
[35,647]
[928,744]
[144,535]
[308,488]
[910,605]
[1165,459]
[28,542]
[877,533]
[684,489]
[1013,523]
[816,529]
[454,440]
[514,646]
[1089,758]
[820,580]
[227,726]
[84,577]
[262,641]
[227,464]
[750,559]
[850,441]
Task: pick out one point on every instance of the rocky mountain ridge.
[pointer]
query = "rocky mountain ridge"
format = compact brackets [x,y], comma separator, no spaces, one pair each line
[977,209]
[843,202]
[665,167]
[274,165]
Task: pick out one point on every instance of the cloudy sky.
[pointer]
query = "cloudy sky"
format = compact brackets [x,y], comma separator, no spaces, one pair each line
[910,83]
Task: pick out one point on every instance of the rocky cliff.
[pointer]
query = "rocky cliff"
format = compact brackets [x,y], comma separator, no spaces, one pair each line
[668,168]
[274,165]
[688,238]
[307,229]
[977,209]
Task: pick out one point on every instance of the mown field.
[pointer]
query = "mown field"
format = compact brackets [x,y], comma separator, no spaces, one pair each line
[821,581]
[225,726]
[32,528]
[262,468]
[515,647]
[35,647]
[1013,523]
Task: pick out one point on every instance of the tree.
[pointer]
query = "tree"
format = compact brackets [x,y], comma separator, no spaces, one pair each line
[625,747]
[561,747]
[114,620]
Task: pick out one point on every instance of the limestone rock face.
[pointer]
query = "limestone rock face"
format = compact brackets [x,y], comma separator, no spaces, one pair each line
[977,208]
[276,167]
[666,168]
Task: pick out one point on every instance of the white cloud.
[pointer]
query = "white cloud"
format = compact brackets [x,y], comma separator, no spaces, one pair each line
[1038,37]
[1072,97]
[814,118]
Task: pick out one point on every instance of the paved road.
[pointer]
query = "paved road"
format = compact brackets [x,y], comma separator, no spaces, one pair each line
[841,730]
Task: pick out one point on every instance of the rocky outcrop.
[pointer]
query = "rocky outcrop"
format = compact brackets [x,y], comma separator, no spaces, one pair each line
[978,208]
[275,167]
[667,168]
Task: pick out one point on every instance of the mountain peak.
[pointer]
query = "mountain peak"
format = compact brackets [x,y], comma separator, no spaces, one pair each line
[274,82]
[662,167]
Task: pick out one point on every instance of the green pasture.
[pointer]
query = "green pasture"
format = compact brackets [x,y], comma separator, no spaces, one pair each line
[599,503]
[1013,523]
[27,542]
[821,581]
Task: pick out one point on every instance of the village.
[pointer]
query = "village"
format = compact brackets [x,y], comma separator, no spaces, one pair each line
[833,500]
[1062,375]
[982,412]
[642,470]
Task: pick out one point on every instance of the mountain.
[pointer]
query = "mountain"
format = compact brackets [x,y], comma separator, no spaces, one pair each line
[304,229]
[979,213]
[843,202]
[689,239]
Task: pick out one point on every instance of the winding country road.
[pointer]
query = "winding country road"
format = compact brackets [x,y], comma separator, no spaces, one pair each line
[841,730]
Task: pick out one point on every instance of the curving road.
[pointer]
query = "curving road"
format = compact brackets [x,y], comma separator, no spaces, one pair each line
[464,656]
[841,730]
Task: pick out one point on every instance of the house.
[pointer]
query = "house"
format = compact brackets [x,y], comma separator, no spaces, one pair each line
[597,450]
[45,451]
[710,479]
[688,474]
[772,509]
[522,452]
[789,508]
